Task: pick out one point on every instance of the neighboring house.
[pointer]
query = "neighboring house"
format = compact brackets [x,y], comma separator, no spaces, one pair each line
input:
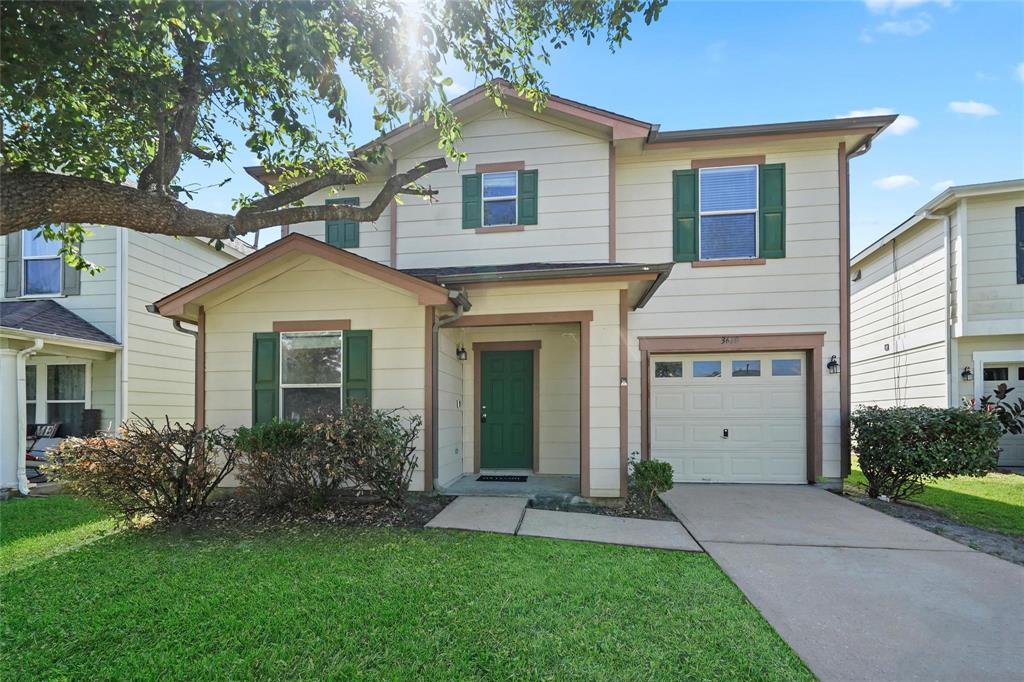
[938,304]
[583,287]
[98,347]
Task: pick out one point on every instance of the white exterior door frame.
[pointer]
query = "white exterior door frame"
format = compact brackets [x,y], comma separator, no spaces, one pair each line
[981,358]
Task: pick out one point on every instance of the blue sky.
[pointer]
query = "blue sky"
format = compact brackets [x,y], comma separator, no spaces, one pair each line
[954,70]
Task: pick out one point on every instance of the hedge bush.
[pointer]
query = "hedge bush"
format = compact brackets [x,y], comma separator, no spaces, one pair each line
[649,477]
[167,471]
[368,453]
[900,447]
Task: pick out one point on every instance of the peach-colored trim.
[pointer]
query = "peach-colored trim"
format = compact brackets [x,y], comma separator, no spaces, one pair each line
[480,347]
[499,228]
[623,392]
[514,319]
[587,279]
[812,343]
[727,262]
[611,202]
[754,160]
[499,167]
[428,399]
[312,325]
[844,311]
[585,408]
[200,379]
[393,237]
[753,139]
[173,305]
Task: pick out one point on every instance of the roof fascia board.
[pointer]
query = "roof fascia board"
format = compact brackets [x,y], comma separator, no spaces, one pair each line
[71,341]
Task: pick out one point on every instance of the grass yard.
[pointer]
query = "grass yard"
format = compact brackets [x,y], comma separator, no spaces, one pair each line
[33,529]
[388,604]
[995,502]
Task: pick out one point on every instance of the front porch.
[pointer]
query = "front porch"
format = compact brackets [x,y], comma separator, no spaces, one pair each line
[535,486]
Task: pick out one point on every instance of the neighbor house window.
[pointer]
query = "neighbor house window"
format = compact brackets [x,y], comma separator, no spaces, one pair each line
[310,374]
[728,212]
[41,264]
[57,394]
[500,196]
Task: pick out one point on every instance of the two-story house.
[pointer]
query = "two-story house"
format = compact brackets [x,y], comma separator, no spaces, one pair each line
[81,350]
[583,288]
[938,305]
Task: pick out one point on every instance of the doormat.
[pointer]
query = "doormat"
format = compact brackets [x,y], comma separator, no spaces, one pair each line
[503,479]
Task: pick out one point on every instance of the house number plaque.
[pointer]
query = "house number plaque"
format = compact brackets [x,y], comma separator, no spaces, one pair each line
[730,340]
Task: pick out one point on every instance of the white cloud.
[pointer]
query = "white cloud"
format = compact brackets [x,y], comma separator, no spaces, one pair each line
[1020,71]
[893,6]
[909,27]
[901,126]
[972,108]
[896,182]
[984,76]
[942,185]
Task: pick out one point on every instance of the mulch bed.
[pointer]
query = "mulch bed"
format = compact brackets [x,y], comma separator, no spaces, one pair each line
[237,513]
[997,544]
[630,507]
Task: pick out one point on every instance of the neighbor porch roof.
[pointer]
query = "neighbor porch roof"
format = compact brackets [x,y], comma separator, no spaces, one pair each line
[50,321]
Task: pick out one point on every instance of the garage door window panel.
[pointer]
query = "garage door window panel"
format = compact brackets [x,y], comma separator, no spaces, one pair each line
[706,369]
[786,367]
[746,368]
[996,373]
[668,370]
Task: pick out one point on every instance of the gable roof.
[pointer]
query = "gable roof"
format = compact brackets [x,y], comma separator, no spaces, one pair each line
[48,317]
[173,305]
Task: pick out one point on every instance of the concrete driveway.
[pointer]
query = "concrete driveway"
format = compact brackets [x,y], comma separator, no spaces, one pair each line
[858,594]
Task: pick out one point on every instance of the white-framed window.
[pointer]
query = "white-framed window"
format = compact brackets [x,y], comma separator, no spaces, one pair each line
[57,390]
[728,212]
[42,265]
[500,193]
[310,373]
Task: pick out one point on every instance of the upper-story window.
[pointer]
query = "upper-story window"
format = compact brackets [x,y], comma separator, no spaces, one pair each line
[42,264]
[728,212]
[500,196]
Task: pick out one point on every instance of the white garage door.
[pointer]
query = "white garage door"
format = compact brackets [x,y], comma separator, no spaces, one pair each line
[738,418]
[1011,374]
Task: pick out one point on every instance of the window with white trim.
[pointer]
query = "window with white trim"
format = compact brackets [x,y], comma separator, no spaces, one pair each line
[57,393]
[500,193]
[41,264]
[310,373]
[728,212]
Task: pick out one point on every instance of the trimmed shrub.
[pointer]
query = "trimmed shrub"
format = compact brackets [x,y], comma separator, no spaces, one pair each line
[649,477]
[167,471]
[900,447]
[365,452]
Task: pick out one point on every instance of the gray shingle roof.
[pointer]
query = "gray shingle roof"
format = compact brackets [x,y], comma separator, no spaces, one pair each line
[49,317]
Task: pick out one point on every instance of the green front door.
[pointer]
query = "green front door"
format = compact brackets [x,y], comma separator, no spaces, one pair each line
[506,409]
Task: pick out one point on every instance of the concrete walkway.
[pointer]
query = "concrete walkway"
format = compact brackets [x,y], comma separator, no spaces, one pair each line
[858,594]
[510,515]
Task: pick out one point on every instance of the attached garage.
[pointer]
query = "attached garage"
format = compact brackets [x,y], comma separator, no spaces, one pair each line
[1012,374]
[738,417]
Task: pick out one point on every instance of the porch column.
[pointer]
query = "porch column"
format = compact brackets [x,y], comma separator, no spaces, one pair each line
[9,437]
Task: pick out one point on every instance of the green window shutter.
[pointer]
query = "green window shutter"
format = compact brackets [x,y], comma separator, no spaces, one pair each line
[357,369]
[472,202]
[12,264]
[71,282]
[684,215]
[772,210]
[266,347]
[528,197]
[343,234]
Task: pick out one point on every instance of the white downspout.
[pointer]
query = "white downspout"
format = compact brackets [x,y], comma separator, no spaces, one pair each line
[36,346]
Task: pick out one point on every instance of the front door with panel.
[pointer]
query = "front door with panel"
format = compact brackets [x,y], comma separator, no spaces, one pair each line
[506,409]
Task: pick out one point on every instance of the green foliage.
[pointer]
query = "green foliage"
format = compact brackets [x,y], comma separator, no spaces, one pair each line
[900,447]
[310,463]
[166,472]
[1010,413]
[649,477]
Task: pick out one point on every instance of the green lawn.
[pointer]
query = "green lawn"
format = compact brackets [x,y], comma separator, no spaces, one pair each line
[995,501]
[32,530]
[390,604]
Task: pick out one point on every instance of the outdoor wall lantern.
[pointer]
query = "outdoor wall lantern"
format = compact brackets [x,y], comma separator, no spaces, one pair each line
[833,365]
[623,381]
[967,374]
[460,352]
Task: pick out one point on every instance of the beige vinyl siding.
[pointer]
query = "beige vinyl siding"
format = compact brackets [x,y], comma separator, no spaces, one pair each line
[603,300]
[394,316]
[798,293]
[450,408]
[161,361]
[995,302]
[898,321]
[104,391]
[559,427]
[572,197]
[374,238]
[97,304]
